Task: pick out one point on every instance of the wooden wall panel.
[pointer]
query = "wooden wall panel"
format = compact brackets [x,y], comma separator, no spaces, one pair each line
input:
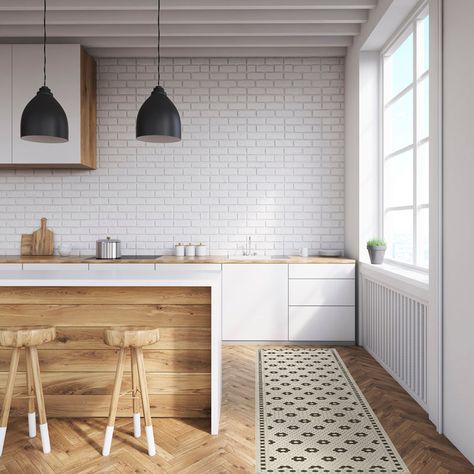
[92,338]
[180,295]
[101,383]
[106,360]
[78,368]
[100,314]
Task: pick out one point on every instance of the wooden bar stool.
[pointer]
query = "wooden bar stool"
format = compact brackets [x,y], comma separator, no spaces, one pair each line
[29,338]
[134,338]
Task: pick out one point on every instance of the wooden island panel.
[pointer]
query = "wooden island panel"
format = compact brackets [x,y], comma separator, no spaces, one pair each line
[78,368]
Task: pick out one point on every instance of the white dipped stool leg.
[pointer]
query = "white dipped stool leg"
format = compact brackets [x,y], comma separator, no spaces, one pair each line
[32,425]
[150,440]
[135,400]
[7,400]
[145,401]
[32,353]
[137,430]
[44,432]
[113,404]
[31,401]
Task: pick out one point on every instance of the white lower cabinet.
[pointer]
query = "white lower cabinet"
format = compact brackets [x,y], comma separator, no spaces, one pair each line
[255,302]
[321,323]
[322,292]
[322,302]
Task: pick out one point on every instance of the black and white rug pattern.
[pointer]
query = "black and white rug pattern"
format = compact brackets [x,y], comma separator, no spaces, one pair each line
[312,417]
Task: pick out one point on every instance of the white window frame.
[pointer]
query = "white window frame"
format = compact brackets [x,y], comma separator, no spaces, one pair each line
[409,26]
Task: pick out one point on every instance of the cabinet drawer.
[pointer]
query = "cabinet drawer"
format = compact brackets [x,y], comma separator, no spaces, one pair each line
[56,267]
[335,270]
[122,267]
[322,292]
[186,268]
[322,323]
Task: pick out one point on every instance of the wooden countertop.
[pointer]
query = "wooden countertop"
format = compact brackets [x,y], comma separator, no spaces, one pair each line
[170,259]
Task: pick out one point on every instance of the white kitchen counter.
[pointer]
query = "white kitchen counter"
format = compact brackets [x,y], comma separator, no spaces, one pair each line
[212,279]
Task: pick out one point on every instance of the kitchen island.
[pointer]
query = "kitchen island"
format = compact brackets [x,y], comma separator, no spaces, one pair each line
[184,367]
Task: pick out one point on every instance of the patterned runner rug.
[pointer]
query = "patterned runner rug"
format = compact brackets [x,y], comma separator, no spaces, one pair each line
[312,417]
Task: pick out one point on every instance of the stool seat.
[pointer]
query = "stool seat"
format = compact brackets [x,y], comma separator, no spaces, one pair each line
[128,336]
[26,336]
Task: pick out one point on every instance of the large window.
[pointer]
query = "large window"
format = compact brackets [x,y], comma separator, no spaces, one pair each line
[405,144]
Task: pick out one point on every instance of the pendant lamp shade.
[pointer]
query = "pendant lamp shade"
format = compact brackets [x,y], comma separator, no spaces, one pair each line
[158,119]
[44,120]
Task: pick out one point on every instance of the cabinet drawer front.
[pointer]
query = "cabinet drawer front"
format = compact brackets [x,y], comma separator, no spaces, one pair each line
[322,292]
[335,270]
[122,267]
[56,267]
[322,323]
[186,268]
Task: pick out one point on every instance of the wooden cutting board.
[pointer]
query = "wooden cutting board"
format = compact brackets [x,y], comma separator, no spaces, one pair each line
[26,241]
[43,240]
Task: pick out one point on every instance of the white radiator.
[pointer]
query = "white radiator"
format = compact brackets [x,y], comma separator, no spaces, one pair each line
[393,329]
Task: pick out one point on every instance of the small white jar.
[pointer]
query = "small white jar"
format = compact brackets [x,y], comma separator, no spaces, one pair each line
[201,250]
[190,250]
[179,250]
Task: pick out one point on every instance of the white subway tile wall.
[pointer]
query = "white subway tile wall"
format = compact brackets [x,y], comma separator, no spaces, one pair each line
[262,155]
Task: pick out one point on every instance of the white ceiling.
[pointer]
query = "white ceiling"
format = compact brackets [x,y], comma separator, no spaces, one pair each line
[190,28]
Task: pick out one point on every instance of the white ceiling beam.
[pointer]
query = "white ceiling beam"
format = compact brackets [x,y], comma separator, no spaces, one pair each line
[218,52]
[13,32]
[200,41]
[169,5]
[186,17]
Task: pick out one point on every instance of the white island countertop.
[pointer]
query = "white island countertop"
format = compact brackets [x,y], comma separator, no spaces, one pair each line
[109,278]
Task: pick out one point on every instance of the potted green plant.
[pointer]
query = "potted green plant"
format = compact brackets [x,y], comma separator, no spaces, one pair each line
[376,248]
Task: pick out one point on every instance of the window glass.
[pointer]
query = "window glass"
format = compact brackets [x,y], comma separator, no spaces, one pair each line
[423,49]
[405,136]
[398,180]
[398,70]
[398,122]
[399,235]
[422,174]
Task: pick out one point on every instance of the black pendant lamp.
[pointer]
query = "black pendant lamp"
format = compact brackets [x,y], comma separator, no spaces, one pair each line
[158,119]
[43,119]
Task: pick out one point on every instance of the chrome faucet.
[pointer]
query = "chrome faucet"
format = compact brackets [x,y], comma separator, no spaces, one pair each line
[247,251]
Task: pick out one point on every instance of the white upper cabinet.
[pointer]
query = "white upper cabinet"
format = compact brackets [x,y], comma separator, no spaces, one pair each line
[71,78]
[6,103]
[63,78]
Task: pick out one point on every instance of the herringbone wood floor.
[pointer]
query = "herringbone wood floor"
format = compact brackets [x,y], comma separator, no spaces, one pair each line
[184,446]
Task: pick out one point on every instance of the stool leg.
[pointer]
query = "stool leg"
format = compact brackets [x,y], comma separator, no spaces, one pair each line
[145,401]
[31,401]
[109,430]
[32,352]
[136,402]
[7,401]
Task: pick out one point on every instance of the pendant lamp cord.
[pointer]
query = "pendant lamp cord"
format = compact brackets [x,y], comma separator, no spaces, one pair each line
[44,43]
[158,40]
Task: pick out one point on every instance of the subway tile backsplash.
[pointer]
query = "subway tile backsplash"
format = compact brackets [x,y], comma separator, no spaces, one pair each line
[262,155]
